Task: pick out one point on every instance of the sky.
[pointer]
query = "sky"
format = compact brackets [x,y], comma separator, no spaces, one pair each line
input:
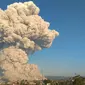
[66,56]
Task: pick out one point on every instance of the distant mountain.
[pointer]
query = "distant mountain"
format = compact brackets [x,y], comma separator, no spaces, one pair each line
[57,77]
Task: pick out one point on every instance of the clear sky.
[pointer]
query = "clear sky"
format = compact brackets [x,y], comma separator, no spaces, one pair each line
[66,56]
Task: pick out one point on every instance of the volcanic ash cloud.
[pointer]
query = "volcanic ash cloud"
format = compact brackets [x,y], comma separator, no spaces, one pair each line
[22,32]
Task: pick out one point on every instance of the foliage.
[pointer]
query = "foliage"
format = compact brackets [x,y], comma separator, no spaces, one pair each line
[77,80]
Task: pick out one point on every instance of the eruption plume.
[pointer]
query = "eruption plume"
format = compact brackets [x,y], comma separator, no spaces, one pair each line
[22,32]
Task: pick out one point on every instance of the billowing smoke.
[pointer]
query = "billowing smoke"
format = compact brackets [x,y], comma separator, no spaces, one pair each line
[22,32]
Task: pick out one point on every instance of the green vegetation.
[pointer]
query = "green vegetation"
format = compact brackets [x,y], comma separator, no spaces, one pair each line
[77,80]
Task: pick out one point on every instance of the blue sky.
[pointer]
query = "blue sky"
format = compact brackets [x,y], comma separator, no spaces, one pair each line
[66,56]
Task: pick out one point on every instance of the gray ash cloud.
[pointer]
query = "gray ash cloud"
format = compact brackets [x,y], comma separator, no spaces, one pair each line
[22,32]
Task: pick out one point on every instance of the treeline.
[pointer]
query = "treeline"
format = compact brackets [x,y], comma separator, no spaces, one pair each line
[77,80]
